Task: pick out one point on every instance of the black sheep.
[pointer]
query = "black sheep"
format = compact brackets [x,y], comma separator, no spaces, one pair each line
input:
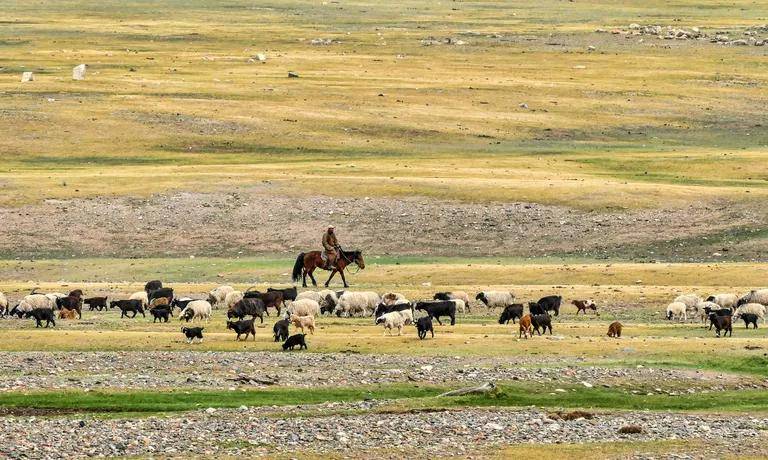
[41,314]
[125,306]
[438,308]
[247,307]
[551,303]
[542,321]
[161,313]
[296,340]
[193,333]
[288,293]
[510,313]
[749,318]
[328,306]
[280,330]
[424,325]
[243,327]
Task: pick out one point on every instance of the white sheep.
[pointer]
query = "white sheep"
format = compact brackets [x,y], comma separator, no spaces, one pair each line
[217,295]
[232,298]
[33,301]
[197,309]
[391,298]
[304,307]
[493,299]
[755,296]
[677,309]
[140,295]
[321,297]
[363,303]
[3,302]
[691,301]
[461,307]
[54,296]
[391,321]
[724,300]
[754,308]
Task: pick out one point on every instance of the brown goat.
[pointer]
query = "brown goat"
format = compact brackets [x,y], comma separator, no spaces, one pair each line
[614,330]
[584,305]
[525,326]
[67,314]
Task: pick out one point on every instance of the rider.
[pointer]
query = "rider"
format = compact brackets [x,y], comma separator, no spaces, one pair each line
[330,246]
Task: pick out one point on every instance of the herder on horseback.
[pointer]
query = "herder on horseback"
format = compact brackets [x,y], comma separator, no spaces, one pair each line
[330,246]
[332,258]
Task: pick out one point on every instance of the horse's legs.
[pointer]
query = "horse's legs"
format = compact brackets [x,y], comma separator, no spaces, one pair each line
[343,278]
[304,278]
[314,281]
[331,277]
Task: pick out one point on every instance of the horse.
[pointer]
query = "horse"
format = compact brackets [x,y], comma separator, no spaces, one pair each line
[306,263]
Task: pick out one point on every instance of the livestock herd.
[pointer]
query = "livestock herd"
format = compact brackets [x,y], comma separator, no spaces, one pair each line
[393,311]
[721,310]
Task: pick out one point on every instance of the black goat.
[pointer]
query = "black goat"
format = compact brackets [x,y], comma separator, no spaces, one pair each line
[280,330]
[510,313]
[41,314]
[243,327]
[542,321]
[424,325]
[437,308]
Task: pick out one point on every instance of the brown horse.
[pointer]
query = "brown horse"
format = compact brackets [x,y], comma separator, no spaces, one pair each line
[306,263]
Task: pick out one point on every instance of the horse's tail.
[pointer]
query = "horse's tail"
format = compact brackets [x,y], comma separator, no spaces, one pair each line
[297,268]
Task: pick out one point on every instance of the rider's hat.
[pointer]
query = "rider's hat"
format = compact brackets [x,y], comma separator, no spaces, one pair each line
[331,226]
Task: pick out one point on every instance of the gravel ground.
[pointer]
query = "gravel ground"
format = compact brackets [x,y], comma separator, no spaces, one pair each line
[271,430]
[141,370]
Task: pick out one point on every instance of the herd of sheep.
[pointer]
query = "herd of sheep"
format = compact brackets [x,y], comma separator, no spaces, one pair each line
[393,311]
[720,310]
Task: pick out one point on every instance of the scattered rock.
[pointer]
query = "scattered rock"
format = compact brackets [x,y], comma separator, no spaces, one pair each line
[78,72]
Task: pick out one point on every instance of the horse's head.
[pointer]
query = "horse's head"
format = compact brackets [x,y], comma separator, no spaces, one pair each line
[357,257]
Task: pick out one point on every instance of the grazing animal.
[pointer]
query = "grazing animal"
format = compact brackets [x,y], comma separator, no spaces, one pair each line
[193,333]
[691,302]
[541,321]
[70,303]
[302,322]
[41,314]
[272,299]
[535,309]
[584,305]
[247,307]
[754,296]
[181,303]
[749,318]
[424,325]
[454,295]
[66,314]
[132,305]
[243,327]
[289,294]
[232,298]
[614,330]
[153,285]
[53,297]
[142,296]
[326,298]
[437,308]
[76,293]
[304,307]
[197,309]
[362,303]
[677,309]
[405,309]
[510,313]
[308,262]
[708,310]
[754,308]
[160,313]
[724,300]
[551,303]
[280,330]
[296,340]
[31,302]
[161,292]
[391,298]
[391,321]
[722,323]
[493,299]
[3,304]
[160,302]
[96,303]
[216,296]
[707,307]
[525,326]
